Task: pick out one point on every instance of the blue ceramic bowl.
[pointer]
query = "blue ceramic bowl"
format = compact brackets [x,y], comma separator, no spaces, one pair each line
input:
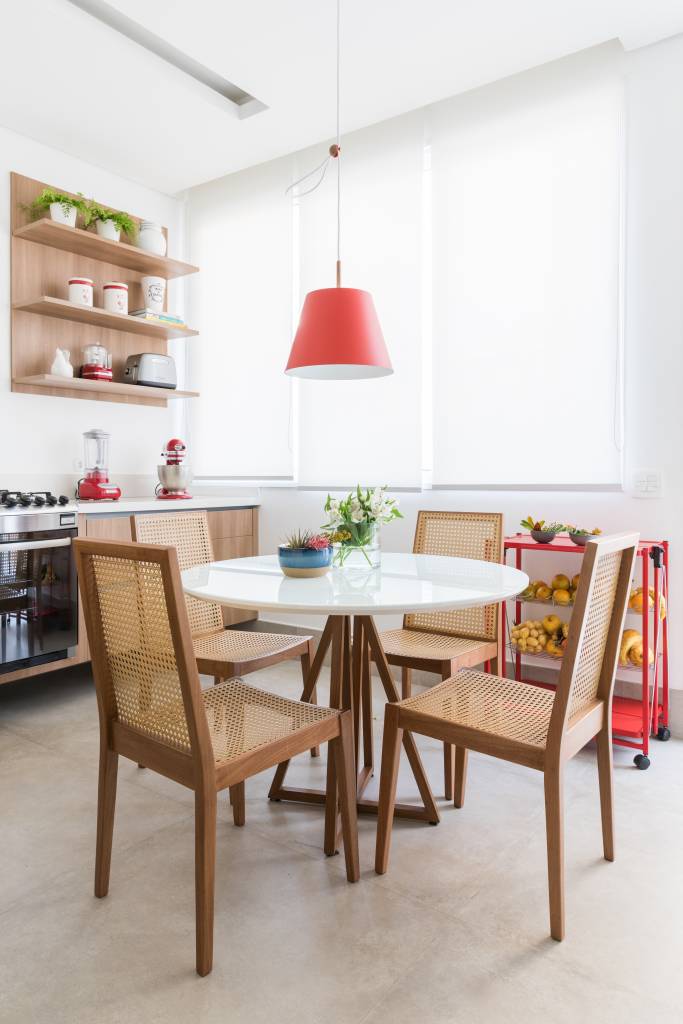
[304,562]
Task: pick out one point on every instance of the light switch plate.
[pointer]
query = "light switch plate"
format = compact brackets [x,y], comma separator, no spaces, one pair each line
[647,483]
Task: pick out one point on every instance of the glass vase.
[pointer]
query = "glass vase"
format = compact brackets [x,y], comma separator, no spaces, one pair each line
[361,550]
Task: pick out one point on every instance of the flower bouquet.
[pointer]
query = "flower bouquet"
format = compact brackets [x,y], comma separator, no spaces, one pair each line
[354,525]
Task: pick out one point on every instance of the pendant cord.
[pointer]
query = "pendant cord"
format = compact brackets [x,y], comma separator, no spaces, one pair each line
[338,138]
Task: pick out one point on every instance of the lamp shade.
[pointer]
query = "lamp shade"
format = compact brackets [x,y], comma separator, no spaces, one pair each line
[339,337]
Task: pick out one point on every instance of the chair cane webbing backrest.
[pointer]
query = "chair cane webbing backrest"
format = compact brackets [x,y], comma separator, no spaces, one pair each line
[477,535]
[595,632]
[188,533]
[129,616]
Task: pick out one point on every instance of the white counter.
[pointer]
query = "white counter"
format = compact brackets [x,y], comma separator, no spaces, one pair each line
[128,505]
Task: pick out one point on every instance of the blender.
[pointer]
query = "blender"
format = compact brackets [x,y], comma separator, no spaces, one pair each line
[174,476]
[96,363]
[95,484]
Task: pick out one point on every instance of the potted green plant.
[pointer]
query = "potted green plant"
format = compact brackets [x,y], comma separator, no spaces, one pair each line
[580,537]
[63,208]
[355,523]
[542,532]
[109,223]
[305,554]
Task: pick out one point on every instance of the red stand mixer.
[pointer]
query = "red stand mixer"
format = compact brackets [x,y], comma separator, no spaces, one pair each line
[174,476]
[95,484]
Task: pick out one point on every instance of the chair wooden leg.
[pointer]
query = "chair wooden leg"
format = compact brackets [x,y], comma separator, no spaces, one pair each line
[305,669]
[554,823]
[205,867]
[448,770]
[336,679]
[391,752]
[106,802]
[238,805]
[604,741]
[448,750]
[342,750]
[460,780]
[406,683]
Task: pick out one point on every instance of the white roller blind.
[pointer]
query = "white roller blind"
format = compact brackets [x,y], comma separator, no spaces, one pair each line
[368,431]
[526,198]
[240,235]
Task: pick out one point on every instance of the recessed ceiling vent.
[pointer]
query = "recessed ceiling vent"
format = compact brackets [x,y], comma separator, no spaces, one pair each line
[245,105]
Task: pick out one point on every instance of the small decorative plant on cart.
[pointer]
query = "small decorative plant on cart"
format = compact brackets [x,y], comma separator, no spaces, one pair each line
[109,223]
[354,525]
[305,554]
[580,537]
[542,532]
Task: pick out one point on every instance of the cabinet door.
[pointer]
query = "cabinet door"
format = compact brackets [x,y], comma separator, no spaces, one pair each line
[231,522]
[109,528]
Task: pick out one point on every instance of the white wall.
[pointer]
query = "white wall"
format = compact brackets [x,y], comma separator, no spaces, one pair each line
[653,358]
[42,434]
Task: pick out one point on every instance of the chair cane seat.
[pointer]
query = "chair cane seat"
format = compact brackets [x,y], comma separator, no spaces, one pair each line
[242,718]
[418,644]
[243,645]
[479,700]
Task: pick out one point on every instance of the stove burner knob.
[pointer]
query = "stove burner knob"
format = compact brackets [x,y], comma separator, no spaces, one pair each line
[51,500]
[10,502]
[63,500]
[24,500]
[39,500]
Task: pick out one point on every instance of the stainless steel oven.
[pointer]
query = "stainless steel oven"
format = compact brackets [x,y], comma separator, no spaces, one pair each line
[38,589]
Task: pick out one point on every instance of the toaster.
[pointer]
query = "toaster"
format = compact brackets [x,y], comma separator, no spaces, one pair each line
[151,369]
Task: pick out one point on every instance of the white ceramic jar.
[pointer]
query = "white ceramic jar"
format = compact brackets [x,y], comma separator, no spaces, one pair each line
[64,213]
[108,229]
[115,297]
[151,238]
[81,291]
[153,291]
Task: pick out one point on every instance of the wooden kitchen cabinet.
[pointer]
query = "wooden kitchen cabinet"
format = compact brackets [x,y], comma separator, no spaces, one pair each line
[234,534]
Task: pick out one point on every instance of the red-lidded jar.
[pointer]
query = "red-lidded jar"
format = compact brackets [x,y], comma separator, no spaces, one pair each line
[115,297]
[81,291]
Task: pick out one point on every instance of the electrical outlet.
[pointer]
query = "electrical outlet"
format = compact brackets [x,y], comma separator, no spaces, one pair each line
[647,483]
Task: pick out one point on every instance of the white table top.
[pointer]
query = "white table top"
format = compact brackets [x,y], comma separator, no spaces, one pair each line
[403,583]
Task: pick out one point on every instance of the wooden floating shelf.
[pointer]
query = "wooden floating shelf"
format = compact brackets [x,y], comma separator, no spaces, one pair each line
[101,388]
[46,305]
[92,246]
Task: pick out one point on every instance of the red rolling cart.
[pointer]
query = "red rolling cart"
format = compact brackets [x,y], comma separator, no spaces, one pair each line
[634,720]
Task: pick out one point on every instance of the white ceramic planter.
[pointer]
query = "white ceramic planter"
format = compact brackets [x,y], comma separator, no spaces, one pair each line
[153,291]
[151,238]
[108,229]
[115,297]
[81,291]
[63,213]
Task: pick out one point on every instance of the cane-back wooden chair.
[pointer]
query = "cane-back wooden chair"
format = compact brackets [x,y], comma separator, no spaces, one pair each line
[444,642]
[529,725]
[152,709]
[220,652]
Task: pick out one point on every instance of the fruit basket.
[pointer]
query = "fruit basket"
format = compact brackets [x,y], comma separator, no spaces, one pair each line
[634,720]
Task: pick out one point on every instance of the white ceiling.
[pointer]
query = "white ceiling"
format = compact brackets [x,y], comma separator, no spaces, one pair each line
[77,85]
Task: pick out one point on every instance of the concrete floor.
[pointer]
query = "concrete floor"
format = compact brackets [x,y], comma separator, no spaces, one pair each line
[456,931]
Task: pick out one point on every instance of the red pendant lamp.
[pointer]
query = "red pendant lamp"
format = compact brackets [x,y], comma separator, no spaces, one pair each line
[339,336]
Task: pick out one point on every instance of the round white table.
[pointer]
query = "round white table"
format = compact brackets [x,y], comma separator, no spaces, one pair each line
[350,598]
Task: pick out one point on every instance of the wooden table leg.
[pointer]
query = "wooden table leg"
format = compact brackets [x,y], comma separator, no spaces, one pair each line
[350,675]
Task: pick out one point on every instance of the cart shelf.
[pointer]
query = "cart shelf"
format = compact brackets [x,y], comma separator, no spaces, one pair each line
[634,721]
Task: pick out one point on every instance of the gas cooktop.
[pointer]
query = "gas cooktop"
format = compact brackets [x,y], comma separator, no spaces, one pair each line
[30,499]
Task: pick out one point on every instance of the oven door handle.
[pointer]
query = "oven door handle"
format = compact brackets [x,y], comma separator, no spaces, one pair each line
[35,545]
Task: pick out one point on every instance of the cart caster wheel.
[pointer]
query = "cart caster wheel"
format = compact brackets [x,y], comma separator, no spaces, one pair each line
[663,733]
[641,761]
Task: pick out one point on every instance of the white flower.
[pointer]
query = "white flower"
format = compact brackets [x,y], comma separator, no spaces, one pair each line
[357,515]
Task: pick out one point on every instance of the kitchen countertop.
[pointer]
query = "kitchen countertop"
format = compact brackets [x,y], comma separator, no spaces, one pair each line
[129,505]
[124,506]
